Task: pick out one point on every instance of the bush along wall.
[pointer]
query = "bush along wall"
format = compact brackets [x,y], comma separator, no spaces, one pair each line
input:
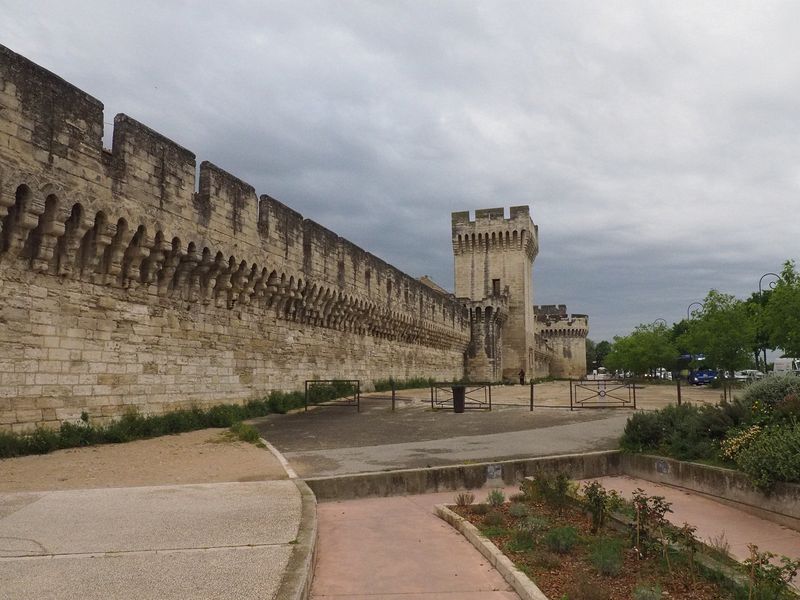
[757,433]
[135,426]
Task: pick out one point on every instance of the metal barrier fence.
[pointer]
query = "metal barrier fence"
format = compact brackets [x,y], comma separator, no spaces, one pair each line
[477,396]
[350,390]
[601,393]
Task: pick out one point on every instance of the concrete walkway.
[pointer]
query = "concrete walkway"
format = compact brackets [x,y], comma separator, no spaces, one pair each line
[397,549]
[218,540]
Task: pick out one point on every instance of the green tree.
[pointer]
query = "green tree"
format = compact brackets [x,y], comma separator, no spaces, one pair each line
[596,353]
[647,348]
[601,351]
[724,330]
[781,316]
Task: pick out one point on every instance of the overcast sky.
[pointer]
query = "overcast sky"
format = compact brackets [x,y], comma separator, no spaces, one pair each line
[657,143]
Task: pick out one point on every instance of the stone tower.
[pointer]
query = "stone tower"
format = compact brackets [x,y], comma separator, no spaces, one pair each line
[493,269]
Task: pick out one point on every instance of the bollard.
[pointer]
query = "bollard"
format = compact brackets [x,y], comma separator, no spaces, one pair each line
[459,398]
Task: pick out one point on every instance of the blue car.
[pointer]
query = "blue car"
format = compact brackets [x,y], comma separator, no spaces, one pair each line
[702,376]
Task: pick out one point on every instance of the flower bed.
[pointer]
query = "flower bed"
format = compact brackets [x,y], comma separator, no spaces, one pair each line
[573,549]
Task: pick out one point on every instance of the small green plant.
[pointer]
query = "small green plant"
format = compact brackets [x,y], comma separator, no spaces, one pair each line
[587,589]
[518,510]
[480,509]
[648,592]
[768,580]
[494,518]
[561,539]
[606,556]
[495,498]
[535,524]
[465,499]
[649,524]
[546,559]
[720,546]
[553,490]
[522,540]
[246,433]
[599,502]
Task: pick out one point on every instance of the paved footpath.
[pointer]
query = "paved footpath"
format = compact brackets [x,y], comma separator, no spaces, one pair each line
[397,549]
[218,540]
[714,519]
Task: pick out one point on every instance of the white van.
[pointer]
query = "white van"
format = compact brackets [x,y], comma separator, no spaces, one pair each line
[786,365]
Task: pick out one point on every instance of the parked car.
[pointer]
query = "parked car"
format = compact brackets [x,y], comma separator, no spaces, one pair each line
[702,376]
[748,375]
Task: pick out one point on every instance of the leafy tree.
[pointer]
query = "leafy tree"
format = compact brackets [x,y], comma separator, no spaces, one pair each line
[781,316]
[724,330]
[601,351]
[647,348]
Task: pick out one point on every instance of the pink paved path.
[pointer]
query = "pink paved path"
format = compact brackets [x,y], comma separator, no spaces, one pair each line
[396,548]
[713,519]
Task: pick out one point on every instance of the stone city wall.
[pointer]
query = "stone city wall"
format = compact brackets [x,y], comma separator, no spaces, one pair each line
[124,284]
[565,337]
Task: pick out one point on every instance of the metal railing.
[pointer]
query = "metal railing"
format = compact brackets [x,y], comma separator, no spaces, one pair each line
[601,393]
[477,396]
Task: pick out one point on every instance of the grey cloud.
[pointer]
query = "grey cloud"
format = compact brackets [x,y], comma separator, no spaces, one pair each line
[656,142]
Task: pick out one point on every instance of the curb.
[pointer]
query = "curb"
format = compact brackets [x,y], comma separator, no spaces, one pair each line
[299,572]
[455,477]
[525,588]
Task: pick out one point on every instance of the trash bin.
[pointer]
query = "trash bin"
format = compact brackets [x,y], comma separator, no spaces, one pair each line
[459,395]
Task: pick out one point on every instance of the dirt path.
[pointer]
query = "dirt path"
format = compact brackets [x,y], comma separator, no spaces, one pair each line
[203,456]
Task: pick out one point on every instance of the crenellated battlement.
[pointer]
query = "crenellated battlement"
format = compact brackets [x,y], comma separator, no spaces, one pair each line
[127,279]
[143,191]
[491,231]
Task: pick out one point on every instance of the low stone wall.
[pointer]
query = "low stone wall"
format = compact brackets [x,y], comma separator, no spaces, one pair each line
[730,487]
[456,477]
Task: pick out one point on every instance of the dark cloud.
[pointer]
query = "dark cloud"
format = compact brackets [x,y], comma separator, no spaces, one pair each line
[656,143]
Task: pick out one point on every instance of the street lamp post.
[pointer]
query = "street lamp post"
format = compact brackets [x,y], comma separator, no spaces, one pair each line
[689,308]
[660,320]
[761,298]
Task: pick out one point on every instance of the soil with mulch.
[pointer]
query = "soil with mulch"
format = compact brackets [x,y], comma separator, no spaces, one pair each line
[572,576]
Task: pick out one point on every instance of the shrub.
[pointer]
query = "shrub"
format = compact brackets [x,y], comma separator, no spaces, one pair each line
[606,556]
[642,432]
[548,560]
[465,499]
[495,498]
[586,589]
[561,539]
[132,425]
[773,456]
[522,540]
[480,509]
[768,578]
[647,592]
[385,385]
[771,391]
[598,502]
[246,433]
[535,524]
[553,490]
[738,440]
[518,510]
[494,518]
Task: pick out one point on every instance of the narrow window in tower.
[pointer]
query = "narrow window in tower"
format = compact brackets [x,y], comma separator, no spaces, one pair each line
[495,287]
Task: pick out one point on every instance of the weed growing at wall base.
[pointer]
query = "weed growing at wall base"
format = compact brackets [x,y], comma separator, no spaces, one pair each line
[134,426]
